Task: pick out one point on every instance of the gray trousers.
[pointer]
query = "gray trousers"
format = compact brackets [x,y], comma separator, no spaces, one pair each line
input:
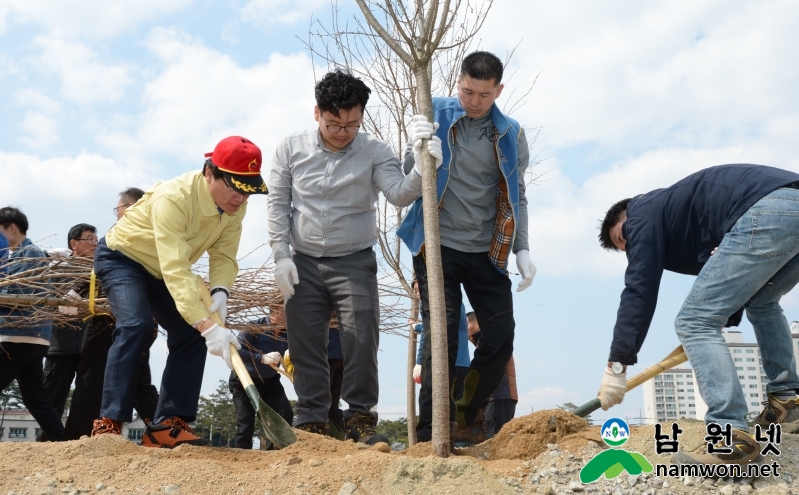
[348,286]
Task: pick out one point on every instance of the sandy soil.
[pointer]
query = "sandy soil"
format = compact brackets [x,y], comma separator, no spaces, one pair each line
[539,453]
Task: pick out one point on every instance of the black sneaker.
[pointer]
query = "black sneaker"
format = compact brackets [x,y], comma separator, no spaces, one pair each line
[745,450]
[318,428]
[361,428]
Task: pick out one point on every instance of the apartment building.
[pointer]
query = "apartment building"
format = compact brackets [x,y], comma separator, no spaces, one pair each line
[673,394]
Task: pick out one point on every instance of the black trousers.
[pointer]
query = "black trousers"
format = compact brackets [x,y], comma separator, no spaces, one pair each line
[59,371]
[499,412]
[489,293]
[272,393]
[88,395]
[23,362]
[336,415]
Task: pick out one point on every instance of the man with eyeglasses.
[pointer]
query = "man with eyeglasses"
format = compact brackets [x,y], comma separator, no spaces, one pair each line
[96,342]
[144,265]
[127,198]
[63,356]
[324,184]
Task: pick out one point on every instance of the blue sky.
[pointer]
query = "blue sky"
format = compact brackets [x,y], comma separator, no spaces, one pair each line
[632,96]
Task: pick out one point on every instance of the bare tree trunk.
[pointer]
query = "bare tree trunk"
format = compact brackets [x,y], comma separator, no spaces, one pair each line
[435,278]
[411,388]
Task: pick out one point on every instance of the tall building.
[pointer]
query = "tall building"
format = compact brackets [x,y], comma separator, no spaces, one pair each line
[674,394]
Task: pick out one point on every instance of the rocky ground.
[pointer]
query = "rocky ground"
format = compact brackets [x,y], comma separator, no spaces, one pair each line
[539,453]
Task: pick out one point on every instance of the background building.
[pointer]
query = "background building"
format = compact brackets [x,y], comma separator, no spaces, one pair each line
[673,394]
[18,426]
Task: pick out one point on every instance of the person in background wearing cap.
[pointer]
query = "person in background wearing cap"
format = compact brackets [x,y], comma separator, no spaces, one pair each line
[324,184]
[144,266]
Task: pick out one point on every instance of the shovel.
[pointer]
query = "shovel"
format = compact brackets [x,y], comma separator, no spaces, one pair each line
[676,357]
[275,427]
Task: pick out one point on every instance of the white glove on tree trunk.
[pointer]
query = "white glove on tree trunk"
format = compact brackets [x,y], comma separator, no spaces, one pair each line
[526,269]
[419,130]
[272,359]
[220,304]
[612,389]
[218,341]
[286,276]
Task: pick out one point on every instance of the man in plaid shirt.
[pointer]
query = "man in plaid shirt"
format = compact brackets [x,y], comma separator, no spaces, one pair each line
[482,217]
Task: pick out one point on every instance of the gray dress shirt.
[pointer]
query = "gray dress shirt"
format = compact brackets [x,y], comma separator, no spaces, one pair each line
[323,203]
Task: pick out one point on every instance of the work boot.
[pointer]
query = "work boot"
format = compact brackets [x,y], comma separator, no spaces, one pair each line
[318,428]
[105,426]
[472,434]
[170,433]
[361,428]
[745,450]
[785,413]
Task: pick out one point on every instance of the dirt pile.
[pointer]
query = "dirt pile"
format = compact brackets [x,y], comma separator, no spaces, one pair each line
[522,462]
[528,436]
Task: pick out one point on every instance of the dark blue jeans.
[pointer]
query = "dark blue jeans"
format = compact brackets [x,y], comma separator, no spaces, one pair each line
[489,293]
[136,297]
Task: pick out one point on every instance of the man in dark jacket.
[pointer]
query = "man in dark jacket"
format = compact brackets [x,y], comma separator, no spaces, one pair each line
[63,356]
[24,344]
[258,351]
[736,227]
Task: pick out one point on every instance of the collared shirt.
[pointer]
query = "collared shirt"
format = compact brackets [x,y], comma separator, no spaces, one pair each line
[323,203]
[168,230]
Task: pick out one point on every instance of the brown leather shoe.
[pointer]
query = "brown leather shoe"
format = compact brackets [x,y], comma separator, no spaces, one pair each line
[745,450]
[106,426]
[169,434]
[785,413]
[466,436]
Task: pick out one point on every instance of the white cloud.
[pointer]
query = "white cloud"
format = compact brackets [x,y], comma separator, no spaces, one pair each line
[86,18]
[57,193]
[200,95]
[84,79]
[564,216]
[41,130]
[288,12]
[623,74]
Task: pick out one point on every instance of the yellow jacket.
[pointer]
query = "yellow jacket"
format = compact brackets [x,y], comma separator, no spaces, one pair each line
[168,230]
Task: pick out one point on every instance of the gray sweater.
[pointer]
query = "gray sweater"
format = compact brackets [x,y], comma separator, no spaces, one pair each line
[466,219]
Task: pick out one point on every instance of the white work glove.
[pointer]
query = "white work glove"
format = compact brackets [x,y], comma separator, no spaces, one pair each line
[286,276]
[526,269]
[273,358]
[70,310]
[220,304]
[419,130]
[612,389]
[417,373]
[218,341]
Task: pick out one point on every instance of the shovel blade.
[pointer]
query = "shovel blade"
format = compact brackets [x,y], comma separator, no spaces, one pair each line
[275,427]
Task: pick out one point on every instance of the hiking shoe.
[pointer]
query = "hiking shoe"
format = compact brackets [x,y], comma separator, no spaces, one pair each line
[361,428]
[170,433]
[745,450]
[106,426]
[467,436]
[318,428]
[785,413]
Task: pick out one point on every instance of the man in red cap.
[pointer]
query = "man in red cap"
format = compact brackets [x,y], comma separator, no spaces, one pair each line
[144,266]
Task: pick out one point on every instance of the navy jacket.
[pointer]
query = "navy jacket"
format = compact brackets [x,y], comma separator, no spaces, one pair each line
[254,346]
[675,229]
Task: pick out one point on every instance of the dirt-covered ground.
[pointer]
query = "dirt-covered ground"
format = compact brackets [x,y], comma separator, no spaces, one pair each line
[539,453]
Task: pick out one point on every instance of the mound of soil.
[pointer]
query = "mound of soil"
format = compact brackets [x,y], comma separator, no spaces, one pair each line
[528,436]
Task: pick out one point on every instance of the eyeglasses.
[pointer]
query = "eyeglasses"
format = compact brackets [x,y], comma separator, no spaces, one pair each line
[121,207]
[348,128]
[93,240]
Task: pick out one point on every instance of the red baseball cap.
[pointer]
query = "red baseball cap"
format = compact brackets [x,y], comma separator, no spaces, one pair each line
[240,162]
